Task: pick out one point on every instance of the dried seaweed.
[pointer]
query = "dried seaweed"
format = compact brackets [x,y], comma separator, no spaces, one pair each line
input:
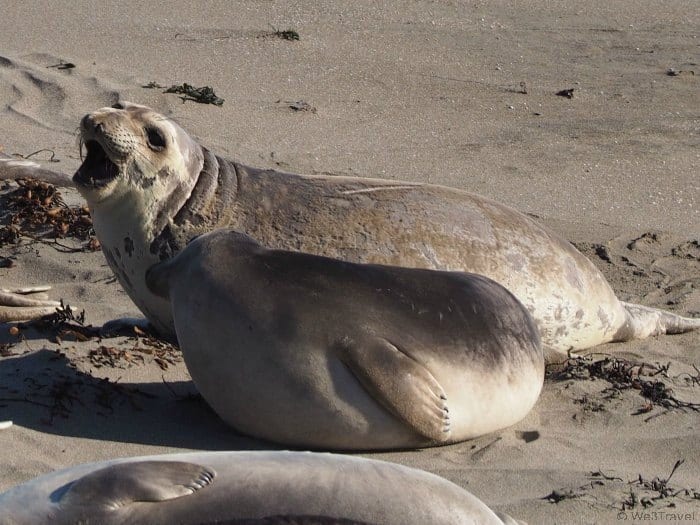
[301,105]
[623,375]
[560,495]
[203,95]
[64,324]
[566,93]
[162,353]
[113,357]
[36,209]
[287,34]
[9,235]
[660,489]
[152,85]
[645,492]
[64,391]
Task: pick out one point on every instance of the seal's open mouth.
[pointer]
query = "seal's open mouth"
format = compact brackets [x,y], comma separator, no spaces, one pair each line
[96,170]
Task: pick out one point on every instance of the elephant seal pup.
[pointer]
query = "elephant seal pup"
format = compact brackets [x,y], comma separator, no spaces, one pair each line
[151,188]
[243,488]
[24,304]
[316,352]
[12,168]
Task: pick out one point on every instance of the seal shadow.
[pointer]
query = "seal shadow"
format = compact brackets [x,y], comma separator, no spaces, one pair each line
[44,391]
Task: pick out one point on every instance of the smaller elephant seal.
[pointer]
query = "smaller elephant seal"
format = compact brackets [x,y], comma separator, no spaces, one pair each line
[317,352]
[25,304]
[12,168]
[243,488]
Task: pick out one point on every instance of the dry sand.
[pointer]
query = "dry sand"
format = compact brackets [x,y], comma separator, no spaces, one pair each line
[425,91]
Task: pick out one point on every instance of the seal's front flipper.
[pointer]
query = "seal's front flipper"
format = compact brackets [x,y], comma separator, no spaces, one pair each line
[127,326]
[401,384]
[122,484]
[25,304]
[12,168]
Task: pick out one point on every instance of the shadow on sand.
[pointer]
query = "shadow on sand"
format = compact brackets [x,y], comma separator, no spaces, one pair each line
[43,391]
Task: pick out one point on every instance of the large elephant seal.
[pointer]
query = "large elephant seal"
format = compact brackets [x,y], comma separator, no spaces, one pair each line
[243,488]
[316,352]
[151,188]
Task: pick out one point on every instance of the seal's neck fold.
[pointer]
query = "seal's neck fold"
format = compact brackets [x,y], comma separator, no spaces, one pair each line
[209,205]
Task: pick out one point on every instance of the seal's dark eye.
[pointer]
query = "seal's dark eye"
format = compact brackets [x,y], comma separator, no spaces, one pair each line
[118,105]
[156,139]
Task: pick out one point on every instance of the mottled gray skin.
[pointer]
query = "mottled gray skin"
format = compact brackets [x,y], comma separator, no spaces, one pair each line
[243,488]
[321,353]
[150,201]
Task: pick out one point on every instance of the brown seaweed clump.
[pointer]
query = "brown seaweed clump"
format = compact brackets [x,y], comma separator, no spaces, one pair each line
[36,209]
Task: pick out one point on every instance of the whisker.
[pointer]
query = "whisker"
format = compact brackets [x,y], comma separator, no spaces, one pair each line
[79,142]
[174,119]
[137,154]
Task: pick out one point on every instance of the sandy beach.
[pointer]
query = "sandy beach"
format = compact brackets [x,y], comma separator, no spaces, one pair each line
[582,115]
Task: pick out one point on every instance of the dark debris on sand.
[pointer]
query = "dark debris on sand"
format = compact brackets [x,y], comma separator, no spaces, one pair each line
[60,392]
[162,353]
[287,34]
[203,95]
[637,493]
[651,380]
[65,325]
[36,209]
[657,489]
[283,34]
[62,325]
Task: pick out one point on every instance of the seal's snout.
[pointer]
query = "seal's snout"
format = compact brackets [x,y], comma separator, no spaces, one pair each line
[90,131]
[86,122]
[90,126]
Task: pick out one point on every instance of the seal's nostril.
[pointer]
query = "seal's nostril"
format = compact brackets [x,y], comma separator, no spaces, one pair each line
[118,105]
[88,123]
